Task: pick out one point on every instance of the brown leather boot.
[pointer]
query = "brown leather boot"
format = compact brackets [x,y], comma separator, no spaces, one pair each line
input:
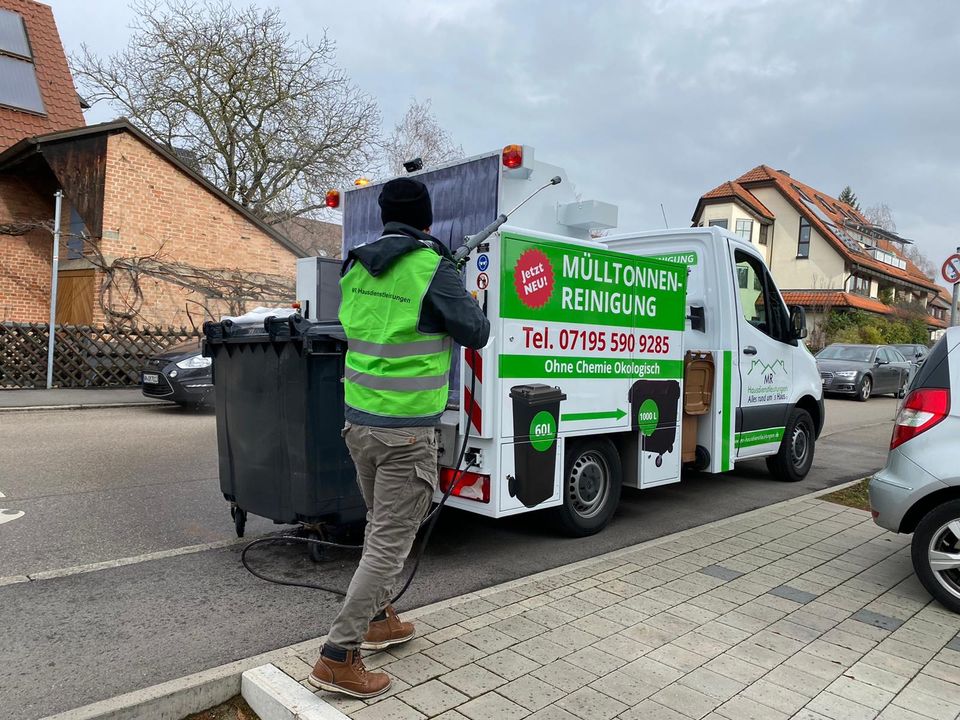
[349,676]
[389,631]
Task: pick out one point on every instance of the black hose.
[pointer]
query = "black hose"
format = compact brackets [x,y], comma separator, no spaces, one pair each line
[429,521]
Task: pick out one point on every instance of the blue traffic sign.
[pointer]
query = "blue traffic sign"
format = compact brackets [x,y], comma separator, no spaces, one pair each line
[483,262]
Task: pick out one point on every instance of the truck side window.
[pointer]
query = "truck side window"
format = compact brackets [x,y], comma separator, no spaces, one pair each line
[759,301]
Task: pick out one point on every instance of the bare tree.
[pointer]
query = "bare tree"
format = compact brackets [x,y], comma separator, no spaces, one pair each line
[418,134]
[882,216]
[272,121]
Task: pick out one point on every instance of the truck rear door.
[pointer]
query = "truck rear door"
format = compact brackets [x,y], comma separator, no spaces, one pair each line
[765,355]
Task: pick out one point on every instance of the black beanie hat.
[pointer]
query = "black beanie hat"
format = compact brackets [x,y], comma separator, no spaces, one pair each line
[407,201]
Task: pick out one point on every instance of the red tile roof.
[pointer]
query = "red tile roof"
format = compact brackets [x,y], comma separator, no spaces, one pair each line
[60,98]
[734,190]
[838,298]
[827,219]
[835,298]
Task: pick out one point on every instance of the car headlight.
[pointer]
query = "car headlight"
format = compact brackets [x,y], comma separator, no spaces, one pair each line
[195,362]
[846,374]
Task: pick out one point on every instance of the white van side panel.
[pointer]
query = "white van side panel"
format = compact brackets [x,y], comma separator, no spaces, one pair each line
[709,286]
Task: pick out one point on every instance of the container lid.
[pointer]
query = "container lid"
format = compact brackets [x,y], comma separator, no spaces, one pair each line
[537,393]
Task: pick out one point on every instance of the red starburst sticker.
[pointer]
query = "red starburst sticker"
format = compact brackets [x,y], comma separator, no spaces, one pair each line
[533,278]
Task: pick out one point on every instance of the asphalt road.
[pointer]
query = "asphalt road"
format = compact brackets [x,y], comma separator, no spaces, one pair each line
[102,485]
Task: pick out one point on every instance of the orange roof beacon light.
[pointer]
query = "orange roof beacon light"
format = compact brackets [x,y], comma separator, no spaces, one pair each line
[513,156]
[361,181]
[333,198]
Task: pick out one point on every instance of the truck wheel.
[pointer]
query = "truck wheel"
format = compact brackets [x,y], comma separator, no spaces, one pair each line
[792,462]
[866,385]
[936,553]
[591,486]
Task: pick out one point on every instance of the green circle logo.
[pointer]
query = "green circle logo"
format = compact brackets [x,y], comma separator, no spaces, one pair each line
[648,417]
[543,431]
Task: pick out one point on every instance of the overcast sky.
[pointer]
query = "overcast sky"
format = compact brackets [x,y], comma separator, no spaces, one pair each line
[649,102]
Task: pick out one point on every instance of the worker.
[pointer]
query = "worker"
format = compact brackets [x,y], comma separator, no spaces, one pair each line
[403,303]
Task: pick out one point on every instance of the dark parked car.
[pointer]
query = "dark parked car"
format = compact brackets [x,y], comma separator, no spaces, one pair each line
[863,370]
[180,374]
[915,353]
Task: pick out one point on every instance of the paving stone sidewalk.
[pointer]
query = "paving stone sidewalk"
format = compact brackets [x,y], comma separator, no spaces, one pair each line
[802,610]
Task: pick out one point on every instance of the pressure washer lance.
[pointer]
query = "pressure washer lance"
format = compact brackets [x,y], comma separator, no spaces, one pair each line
[470,242]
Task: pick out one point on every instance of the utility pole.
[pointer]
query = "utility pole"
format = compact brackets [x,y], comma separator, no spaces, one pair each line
[55,265]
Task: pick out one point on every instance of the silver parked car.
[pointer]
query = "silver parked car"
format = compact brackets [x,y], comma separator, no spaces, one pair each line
[918,491]
[863,370]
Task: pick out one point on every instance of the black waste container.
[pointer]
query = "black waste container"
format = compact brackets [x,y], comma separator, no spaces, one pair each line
[536,417]
[279,407]
[653,411]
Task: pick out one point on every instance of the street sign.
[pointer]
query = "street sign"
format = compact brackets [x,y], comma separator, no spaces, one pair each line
[951,269]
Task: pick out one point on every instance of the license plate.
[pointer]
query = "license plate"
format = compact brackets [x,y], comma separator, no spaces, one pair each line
[151,379]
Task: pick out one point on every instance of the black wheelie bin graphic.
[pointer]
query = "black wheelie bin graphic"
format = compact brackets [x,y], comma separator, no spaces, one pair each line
[653,412]
[536,417]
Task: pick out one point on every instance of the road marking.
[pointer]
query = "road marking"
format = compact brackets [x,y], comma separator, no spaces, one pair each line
[121,562]
[9,515]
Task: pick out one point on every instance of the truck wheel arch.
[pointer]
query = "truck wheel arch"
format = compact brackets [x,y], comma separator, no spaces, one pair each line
[815,409]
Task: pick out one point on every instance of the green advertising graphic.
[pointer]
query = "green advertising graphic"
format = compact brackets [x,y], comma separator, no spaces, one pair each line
[543,431]
[575,284]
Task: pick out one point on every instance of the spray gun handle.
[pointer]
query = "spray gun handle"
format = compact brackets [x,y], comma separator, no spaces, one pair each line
[471,241]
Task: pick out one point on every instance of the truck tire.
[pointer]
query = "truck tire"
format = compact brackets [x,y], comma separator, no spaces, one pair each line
[795,456]
[936,538]
[591,486]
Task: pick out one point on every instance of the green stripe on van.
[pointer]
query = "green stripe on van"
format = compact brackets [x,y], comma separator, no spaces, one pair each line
[759,437]
[727,410]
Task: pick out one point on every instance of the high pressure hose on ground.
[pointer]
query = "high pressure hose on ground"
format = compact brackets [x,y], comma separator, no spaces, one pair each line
[430,521]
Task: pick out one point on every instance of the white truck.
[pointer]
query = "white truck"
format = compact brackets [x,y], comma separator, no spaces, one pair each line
[614,361]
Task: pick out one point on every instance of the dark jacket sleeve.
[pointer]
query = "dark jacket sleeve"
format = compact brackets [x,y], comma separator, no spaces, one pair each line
[449,308]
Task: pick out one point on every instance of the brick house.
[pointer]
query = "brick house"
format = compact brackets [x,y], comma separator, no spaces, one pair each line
[148,240]
[823,254]
[145,239]
[37,96]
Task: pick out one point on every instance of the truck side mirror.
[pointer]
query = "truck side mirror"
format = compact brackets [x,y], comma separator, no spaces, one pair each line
[798,322]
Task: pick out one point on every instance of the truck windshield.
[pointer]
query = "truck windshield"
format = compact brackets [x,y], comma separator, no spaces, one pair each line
[846,352]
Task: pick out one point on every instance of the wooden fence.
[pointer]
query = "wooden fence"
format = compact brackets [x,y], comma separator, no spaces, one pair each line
[83,356]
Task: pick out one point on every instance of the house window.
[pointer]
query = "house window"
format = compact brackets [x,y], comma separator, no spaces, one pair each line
[803,242]
[719,223]
[861,285]
[745,229]
[801,193]
[18,78]
[763,234]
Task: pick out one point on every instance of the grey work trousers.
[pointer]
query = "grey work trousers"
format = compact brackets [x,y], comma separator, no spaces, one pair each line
[397,474]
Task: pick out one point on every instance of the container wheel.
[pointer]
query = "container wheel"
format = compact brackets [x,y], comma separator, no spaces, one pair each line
[591,486]
[795,456]
[239,520]
[318,553]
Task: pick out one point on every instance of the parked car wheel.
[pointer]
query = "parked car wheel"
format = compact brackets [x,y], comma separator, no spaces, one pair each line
[936,553]
[866,386]
[591,486]
[792,462]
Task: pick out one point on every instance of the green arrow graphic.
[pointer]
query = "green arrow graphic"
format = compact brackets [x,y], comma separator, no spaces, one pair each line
[602,415]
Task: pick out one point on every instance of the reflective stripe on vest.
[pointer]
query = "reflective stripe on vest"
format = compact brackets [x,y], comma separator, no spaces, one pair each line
[399,350]
[402,384]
